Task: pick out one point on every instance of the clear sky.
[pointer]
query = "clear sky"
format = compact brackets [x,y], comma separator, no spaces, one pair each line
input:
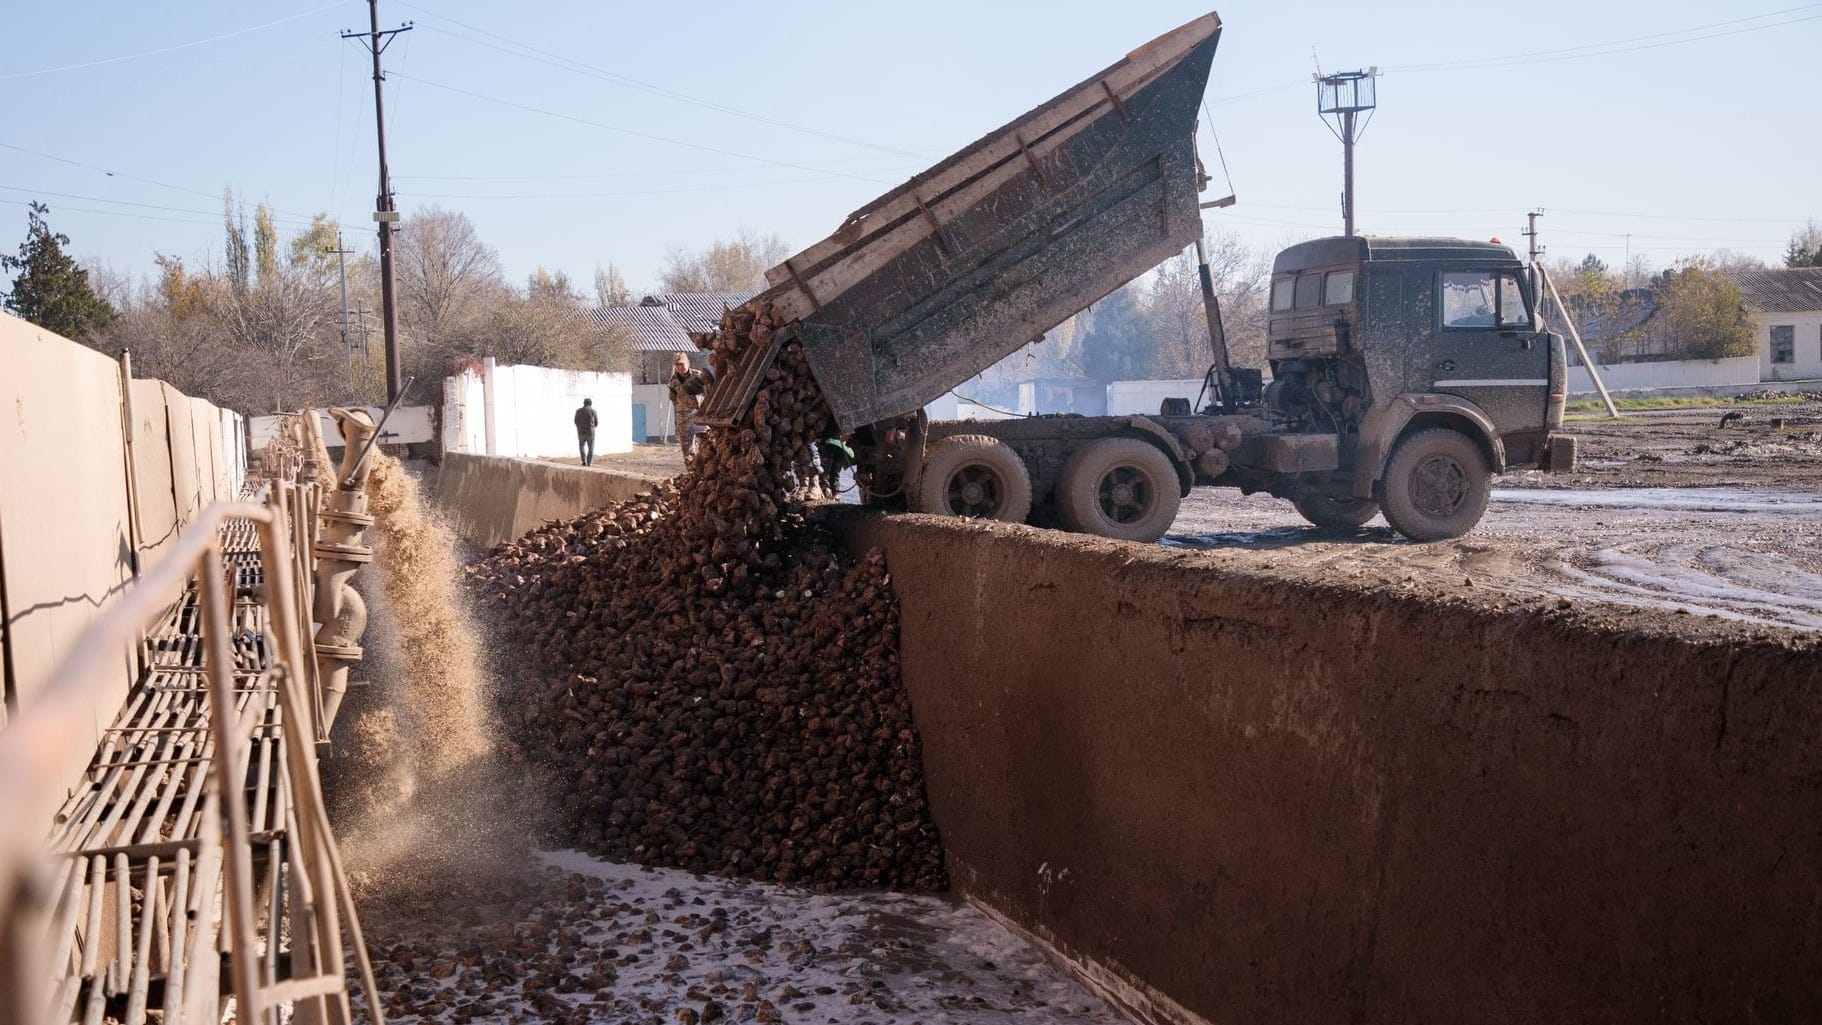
[576,133]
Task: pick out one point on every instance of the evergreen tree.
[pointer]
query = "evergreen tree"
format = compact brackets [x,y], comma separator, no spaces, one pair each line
[240,256]
[1805,249]
[50,290]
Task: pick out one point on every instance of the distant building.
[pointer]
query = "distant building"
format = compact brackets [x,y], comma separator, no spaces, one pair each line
[1617,327]
[1063,395]
[656,335]
[1785,305]
[698,312]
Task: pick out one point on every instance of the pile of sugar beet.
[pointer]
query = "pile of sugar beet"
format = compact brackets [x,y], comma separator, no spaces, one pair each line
[703,678]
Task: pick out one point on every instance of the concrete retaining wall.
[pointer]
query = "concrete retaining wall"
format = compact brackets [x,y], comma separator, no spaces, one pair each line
[491,499]
[1244,799]
[1226,797]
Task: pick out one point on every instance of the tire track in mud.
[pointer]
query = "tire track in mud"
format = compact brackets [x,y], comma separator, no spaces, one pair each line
[1748,555]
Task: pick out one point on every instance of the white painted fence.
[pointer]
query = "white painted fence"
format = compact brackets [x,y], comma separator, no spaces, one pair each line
[408,425]
[1667,374]
[528,411]
[1125,398]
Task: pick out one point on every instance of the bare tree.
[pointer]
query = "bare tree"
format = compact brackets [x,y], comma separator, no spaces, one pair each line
[281,322]
[610,287]
[447,277]
[727,265]
[1179,322]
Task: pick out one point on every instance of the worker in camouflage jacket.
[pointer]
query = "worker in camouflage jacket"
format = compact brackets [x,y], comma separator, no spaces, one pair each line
[689,388]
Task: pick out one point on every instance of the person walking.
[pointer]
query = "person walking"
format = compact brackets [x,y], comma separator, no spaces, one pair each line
[586,422]
[688,388]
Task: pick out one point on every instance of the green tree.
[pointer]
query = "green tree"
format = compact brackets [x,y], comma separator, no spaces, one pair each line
[50,290]
[240,255]
[1703,313]
[1805,249]
[1117,344]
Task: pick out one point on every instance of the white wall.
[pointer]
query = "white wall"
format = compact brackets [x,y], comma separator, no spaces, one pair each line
[1691,373]
[533,410]
[1125,398]
[1808,351]
[660,418]
[408,425]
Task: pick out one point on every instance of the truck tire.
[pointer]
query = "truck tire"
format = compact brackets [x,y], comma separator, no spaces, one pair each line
[1436,485]
[1336,515]
[1122,488]
[975,476]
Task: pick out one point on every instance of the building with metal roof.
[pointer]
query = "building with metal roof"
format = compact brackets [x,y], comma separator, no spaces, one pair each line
[1785,305]
[698,312]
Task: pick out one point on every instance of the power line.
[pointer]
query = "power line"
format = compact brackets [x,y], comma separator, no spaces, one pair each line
[169,49]
[292,214]
[622,174]
[589,70]
[143,206]
[629,131]
[604,195]
[1617,46]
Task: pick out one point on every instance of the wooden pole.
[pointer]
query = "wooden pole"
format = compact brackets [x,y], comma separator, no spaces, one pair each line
[1593,371]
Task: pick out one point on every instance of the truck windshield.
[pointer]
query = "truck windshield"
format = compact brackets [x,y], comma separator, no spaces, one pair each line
[1281,293]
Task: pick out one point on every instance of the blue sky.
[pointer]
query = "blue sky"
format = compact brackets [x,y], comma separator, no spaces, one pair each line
[633,129]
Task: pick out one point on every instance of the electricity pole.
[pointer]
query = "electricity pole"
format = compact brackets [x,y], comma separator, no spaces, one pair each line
[1531,233]
[376,42]
[1347,95]
[341,262]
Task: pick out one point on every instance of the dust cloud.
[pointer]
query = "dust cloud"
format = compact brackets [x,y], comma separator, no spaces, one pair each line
[420,797]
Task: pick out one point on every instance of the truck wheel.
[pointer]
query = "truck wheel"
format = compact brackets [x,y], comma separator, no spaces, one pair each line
[1339,515]
[976,476]
[1436,485]
[1121,488]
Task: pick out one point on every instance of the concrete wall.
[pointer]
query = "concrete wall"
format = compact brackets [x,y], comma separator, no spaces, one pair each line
[1125,398]
[408,425]
[660,416]
[1243,799]
[1667,375]
[490,500]
[73,521]
[527,411]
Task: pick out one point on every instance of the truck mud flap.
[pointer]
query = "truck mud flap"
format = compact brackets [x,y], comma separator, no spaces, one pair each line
[732,396]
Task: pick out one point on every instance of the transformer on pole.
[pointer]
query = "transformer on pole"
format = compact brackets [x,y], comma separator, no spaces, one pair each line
[1346,95]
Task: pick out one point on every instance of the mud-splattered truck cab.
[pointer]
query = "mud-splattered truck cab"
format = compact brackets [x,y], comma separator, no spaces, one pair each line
[1424,360]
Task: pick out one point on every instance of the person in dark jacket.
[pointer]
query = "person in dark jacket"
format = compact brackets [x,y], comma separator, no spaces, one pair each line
[586,422]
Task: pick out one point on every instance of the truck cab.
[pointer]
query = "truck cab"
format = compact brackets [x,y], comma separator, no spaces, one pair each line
[1375,341]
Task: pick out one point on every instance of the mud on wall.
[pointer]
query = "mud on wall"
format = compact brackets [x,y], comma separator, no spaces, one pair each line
[1245,799]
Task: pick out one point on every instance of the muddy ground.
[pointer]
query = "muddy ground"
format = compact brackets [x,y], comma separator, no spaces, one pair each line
[1668,510]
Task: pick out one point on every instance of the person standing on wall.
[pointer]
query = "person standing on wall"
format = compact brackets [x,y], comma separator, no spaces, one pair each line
[688,389]
[586,422]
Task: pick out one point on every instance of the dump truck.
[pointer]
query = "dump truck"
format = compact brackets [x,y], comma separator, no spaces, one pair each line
[1404,373]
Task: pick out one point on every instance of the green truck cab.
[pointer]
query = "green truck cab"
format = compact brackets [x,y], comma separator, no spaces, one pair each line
[1405,373]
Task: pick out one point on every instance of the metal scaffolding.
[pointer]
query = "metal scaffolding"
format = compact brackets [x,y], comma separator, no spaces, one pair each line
[194,861]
